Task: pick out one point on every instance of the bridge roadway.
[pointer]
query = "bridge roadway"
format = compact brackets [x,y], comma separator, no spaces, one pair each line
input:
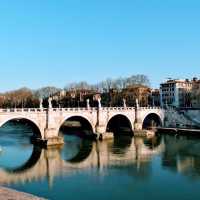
[48,121]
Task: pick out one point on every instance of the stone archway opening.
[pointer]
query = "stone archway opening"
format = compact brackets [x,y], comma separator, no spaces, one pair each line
[119,125]
[23,126]
[151,121]
[77,125]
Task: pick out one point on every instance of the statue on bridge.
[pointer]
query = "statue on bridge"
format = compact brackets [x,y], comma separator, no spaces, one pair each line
[124,102]
[137,103]
[99,102]
[50,102]
[41,105]
[88,103]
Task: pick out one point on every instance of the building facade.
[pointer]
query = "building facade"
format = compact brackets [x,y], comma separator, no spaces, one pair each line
[195,96]
[139,92]
[176,93]
[154,98]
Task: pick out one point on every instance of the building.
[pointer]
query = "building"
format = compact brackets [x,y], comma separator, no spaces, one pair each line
[176,93]
[140,92]
[59,95]
[2,99]
[154,98]
[195,96]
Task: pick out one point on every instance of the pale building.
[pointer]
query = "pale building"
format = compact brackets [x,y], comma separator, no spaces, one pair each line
[195,97]
[176,93]
[154,97]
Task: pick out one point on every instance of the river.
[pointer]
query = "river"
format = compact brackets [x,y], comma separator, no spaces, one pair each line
[161,167]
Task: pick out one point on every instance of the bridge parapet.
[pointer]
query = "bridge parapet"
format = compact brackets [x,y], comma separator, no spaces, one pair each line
[118,108]
[74,109]
[11,110]
[45,109]
[152,108]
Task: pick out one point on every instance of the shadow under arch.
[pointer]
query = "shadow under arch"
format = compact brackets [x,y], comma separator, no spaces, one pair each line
[151,120]
[119,124]
[32,161]
[77,125]
[25,122]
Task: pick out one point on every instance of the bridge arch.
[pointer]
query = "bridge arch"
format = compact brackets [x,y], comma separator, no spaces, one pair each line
[84,121]
[118,123]
[34,125]
[151,120]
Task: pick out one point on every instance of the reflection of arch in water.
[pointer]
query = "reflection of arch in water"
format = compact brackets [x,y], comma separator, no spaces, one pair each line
[77,125]
[121,144]
[84,152]
[153,142]
[35,156]
[119,123]
[151,120]
[26,122]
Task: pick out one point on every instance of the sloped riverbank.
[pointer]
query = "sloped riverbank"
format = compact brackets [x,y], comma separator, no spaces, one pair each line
[9,194]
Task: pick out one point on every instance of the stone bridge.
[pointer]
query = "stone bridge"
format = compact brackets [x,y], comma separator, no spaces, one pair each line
[49,121]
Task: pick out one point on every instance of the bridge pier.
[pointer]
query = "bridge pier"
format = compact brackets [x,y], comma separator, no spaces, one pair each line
[138,126]
[102,134]
[137,122]
[100,125]
[100,129]
[52,137]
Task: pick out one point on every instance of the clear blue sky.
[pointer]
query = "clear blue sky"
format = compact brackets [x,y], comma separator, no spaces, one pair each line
[49,42]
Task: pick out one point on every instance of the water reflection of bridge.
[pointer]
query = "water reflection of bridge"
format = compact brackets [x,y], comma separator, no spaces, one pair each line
[97,155]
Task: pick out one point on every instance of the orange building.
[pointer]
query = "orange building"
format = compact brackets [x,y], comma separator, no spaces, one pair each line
[134,92]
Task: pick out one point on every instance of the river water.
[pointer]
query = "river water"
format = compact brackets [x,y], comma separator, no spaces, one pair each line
[162,167]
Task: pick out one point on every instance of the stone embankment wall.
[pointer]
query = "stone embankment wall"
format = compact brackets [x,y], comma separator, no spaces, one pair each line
[186,118]
[193,114]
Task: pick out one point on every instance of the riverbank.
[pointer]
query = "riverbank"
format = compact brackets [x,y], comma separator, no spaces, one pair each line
[180,131]
[9,194]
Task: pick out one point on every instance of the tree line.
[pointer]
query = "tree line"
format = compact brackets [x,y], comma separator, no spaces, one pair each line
[104,86]
[27,98]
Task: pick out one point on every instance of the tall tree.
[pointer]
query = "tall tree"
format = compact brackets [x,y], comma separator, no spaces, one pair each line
[46,92]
